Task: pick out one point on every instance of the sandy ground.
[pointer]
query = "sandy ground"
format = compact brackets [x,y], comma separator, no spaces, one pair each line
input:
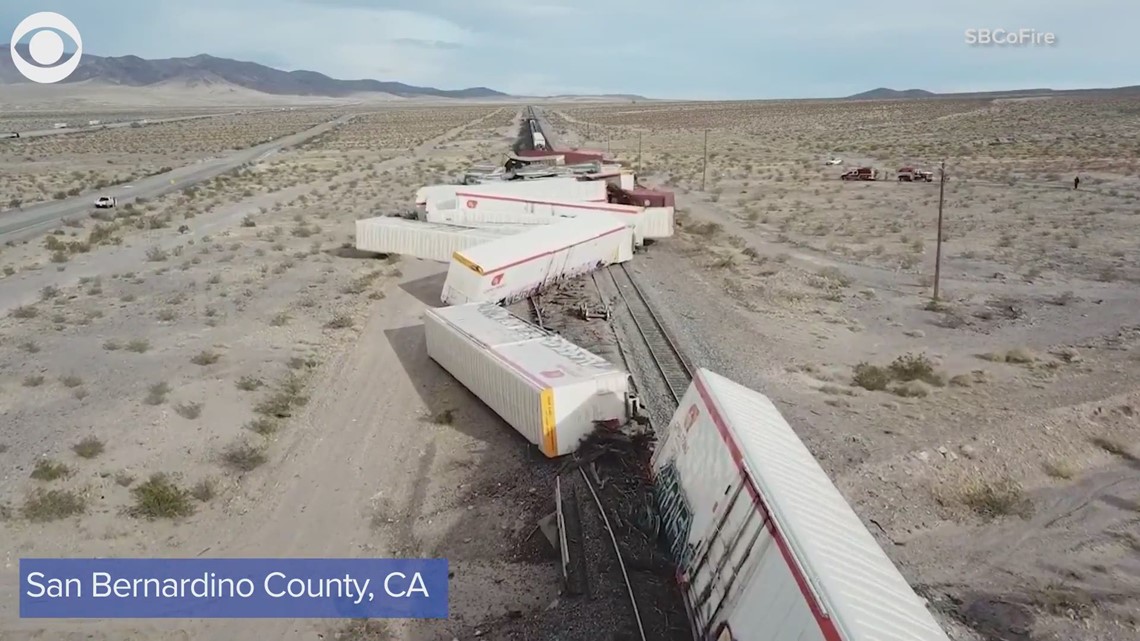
[249,387]
[998,462]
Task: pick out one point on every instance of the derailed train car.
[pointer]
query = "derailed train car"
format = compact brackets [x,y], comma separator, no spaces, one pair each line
[428,241]
[767,549]
[559,187]
[449,213]
[654,223]
[494,208]
[550,390]
[513,268]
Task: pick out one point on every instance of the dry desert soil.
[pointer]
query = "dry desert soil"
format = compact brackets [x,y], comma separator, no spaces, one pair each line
[251,387]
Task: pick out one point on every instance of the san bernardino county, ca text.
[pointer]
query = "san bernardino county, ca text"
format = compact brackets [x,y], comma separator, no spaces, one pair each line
[265,588]
[277,585]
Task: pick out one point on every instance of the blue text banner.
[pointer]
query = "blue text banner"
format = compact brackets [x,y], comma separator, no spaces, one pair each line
[233,588]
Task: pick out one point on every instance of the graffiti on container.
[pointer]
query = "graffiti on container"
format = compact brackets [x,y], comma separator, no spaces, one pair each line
[676,515]
[575,354]
[510,321]
[496,280]
[690,418]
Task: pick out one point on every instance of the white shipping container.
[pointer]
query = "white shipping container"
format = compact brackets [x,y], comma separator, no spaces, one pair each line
[430,193]
[547,388]
[766,546]
[509,208]
[556,188]
[512,268]
[659,222]
[488,216]
[391,235]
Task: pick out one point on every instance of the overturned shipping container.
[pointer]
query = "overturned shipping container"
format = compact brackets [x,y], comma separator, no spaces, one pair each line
[450,213]
[557,187]
[495,208]
[391,235]
[512,268]
[766,547]
[547,388]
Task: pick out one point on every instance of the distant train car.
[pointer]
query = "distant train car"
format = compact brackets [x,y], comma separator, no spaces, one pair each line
[539,140]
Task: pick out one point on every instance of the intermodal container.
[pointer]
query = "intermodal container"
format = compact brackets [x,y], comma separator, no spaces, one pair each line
[548,389]
[766,547]
[651,197]
[557,188]
[391,235]
[514,209]
[515,267]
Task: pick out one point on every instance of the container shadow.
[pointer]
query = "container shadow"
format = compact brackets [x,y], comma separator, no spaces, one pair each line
[491,541]
[427,289]
[353,253]
[511,467]
[447,401]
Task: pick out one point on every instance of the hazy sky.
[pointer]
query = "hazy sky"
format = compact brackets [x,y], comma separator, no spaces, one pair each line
[667,48]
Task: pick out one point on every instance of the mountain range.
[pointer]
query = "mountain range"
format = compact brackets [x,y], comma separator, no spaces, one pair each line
[205,70]
[133,71]
[883,93]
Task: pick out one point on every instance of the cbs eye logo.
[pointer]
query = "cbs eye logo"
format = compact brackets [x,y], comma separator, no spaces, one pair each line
[46,47]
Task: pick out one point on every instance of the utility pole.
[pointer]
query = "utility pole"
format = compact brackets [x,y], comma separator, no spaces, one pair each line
[639,152]
[938,242]
[705,164]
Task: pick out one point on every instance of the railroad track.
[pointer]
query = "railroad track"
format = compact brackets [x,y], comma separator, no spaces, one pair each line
[536,310]
[535,303]
[674,369]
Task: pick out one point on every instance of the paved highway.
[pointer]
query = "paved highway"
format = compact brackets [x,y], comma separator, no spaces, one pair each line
[20,224]
[85,128]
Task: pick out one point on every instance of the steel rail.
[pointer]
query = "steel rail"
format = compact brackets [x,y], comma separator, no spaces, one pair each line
[672,366]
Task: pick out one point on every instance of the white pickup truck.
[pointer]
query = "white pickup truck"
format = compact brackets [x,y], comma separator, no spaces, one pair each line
[104,202]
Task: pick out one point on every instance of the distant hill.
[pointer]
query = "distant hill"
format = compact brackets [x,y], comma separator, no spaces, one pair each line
[601,96]
[883,93]
[132,71]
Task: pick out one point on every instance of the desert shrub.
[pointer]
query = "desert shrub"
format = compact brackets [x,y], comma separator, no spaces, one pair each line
[871,377]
